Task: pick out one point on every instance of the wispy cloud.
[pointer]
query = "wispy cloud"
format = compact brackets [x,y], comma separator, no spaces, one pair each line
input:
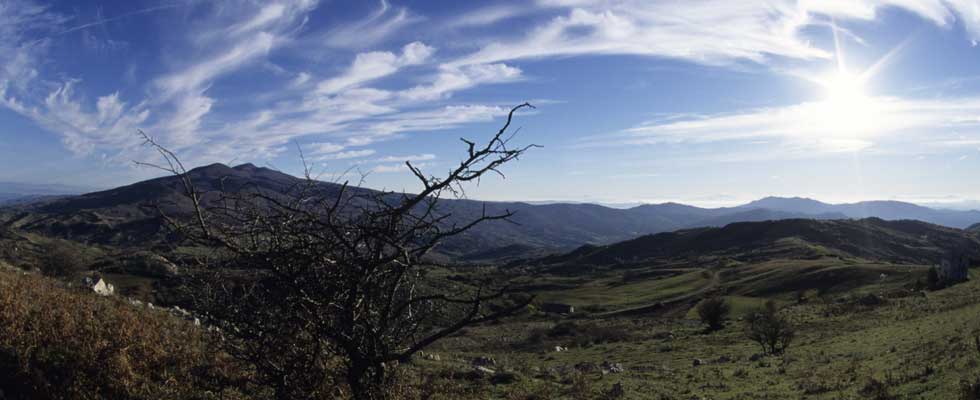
[488,16]
[371,30]
[377,83]
[346,155]
[707,32]
[414,157]
[810,129]
[373,65]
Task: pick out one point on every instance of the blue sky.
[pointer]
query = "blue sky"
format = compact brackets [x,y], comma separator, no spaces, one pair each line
[703,102]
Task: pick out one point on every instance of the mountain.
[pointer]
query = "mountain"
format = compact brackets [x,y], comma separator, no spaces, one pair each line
[904,242]
[791,204]
[891,210]
[129,215]
[764,214]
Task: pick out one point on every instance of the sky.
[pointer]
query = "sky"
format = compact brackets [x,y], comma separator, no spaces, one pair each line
[711,102]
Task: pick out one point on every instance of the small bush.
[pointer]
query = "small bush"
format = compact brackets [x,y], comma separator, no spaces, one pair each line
[713,312]
[933,282]
[771,331]
[61,259]
[876,390]
[587,334]
[970,390]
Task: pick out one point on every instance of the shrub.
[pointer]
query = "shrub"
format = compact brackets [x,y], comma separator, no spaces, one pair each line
[587,334]
[933,282]
[713,312]
[61,259]
[876,390]
[60,343]
[771,331]
[970,390]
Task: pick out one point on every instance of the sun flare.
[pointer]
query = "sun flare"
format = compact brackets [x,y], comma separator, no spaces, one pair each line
[844,88]
[845,109]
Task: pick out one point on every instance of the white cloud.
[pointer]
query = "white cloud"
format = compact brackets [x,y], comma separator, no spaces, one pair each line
[488,15]
[707,32]
[110,125]
[414,157]
[452,79]
[325,148]
[185,106]
[371,30]
[394,168]
[370,66]
[346,155]
[391,168]
[814,128]
[195,76]
[445,118]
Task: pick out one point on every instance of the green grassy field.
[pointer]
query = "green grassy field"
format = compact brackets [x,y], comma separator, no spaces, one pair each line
[910,345]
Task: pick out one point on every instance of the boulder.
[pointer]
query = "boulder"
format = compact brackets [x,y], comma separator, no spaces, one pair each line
[697,362]
[613,368]
[98,285]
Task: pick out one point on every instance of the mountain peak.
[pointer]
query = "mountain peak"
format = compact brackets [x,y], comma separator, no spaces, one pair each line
[245,167]
[210,168]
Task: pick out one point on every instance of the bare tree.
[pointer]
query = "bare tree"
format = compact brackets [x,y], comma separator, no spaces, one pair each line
[317,278]
[770,330]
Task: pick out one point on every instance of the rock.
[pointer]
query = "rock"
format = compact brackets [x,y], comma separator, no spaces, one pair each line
[613,368]
[98,285]
[559,349]
[432,357]
[483,371]
[698,362]
[484,361]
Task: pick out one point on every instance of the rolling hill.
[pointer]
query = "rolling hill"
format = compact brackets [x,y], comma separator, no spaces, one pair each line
[901,242]
[127,216]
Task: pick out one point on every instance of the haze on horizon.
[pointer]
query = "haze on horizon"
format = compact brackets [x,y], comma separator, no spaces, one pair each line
[702,102]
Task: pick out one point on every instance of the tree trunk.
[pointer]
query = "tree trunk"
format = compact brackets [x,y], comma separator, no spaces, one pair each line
[366,380]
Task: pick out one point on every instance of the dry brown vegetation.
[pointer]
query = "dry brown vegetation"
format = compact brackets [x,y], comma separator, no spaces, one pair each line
[59,342]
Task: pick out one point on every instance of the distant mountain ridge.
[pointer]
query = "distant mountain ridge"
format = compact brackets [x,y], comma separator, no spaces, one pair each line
[884,209]
[19,192]
[121,217]
[903,242]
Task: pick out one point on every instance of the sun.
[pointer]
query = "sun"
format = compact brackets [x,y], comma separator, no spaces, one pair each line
[845,110]
[844,89]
